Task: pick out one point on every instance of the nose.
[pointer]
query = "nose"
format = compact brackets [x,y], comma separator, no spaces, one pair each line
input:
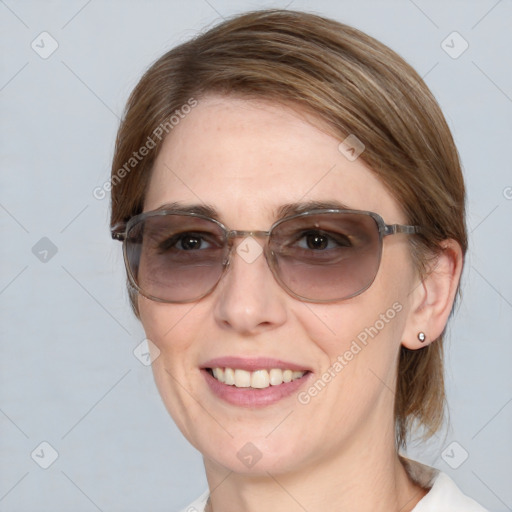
[248,298]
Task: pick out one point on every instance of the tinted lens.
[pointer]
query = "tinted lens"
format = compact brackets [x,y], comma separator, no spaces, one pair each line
[175,258]
[327,256]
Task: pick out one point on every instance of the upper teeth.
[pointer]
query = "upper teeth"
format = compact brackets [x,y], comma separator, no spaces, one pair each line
[257,379]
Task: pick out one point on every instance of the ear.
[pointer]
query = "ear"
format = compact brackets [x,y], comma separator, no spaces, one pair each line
[433,298]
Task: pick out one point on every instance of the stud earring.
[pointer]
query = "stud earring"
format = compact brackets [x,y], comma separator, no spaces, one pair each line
[422,337]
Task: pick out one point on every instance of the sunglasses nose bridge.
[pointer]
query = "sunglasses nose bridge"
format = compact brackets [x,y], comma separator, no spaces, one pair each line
[236,233]
[243,235]
[233,234]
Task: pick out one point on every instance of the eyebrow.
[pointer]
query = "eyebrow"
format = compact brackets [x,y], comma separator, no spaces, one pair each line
[299,207]
[200,209]
[282,211]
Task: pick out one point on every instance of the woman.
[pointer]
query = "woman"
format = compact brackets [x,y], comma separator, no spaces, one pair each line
[291,206]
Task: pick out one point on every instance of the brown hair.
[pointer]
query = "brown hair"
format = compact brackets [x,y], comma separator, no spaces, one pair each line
[354,84]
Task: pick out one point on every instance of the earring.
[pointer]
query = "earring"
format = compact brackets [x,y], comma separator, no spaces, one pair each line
[422,337]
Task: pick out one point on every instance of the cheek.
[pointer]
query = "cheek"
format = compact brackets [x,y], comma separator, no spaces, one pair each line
[355,338]
[174,330]
[161,323]
[356,345]
[171,329]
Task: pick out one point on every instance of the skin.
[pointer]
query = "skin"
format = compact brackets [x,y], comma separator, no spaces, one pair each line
[337,452]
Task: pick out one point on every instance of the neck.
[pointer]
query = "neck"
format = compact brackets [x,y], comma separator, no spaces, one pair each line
[363,478]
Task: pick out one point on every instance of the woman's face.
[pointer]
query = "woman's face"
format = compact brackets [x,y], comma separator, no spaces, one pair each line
[246,159]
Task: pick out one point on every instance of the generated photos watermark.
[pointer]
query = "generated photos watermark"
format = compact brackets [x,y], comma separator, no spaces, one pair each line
[156,136]
[361,341]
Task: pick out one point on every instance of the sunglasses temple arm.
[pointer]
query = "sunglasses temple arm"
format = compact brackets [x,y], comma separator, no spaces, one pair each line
[391,229]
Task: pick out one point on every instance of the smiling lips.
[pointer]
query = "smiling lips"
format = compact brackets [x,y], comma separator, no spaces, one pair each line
[253,382]
[258,379]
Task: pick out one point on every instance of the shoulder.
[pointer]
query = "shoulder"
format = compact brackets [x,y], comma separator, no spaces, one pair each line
[443,494]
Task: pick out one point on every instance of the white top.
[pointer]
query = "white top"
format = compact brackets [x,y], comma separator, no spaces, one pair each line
[443,494]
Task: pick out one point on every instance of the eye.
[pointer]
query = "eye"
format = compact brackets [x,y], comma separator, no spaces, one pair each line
[320,240]
[188,242]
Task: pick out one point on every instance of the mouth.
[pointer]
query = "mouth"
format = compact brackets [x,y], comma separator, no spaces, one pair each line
[258,379]
[253,382]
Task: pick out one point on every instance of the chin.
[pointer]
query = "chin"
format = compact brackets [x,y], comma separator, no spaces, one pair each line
[251,453]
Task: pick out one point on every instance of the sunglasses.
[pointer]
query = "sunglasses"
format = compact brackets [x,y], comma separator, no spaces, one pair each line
[317,256]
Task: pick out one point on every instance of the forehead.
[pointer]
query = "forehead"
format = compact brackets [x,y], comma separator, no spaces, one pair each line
[248,158]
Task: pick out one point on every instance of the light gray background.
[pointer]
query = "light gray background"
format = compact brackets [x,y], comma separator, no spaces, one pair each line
[68,374]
